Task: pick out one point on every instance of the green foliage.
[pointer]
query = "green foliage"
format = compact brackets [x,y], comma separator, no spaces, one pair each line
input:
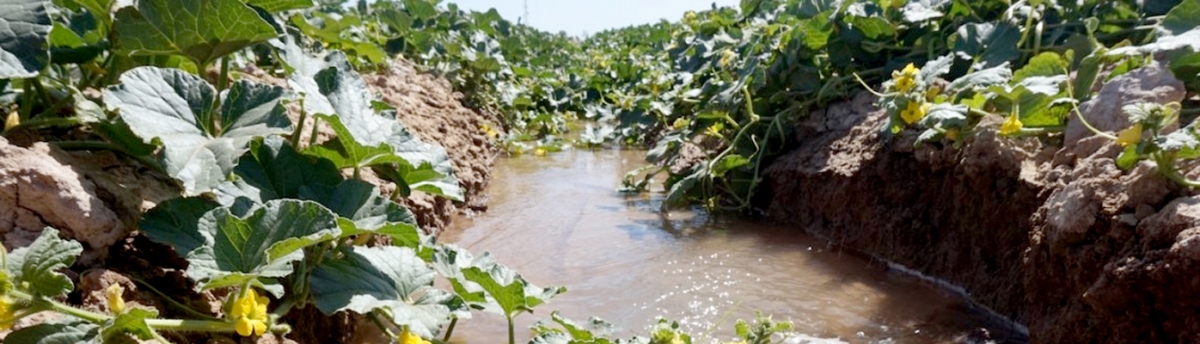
[202,31]
[202,136]
[268,212]
[36,267]
[393,279]
[63,331]
[367,139]
[23,52]
[262,244]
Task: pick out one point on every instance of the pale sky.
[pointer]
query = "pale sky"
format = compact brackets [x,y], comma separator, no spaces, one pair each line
[577,17]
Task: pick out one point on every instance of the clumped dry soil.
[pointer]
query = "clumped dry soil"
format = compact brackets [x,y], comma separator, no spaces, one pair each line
[1048,234]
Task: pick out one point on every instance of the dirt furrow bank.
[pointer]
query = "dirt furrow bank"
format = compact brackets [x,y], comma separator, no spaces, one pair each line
[1050,235]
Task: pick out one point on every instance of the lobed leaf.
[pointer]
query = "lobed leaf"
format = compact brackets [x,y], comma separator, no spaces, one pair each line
[24,49]
[393,278]
[63,331]
[201,30]
[174,109]
[37,266]
[263,243]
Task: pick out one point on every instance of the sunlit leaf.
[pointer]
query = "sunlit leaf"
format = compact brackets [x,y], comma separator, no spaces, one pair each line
[393,278]
[24,49]
[202,30]
[37,266]
[263,243]
[201,142]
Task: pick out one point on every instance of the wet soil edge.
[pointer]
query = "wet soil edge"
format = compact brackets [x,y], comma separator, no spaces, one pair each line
[986,216]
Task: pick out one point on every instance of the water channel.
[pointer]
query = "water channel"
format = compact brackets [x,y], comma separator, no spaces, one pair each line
[558,221]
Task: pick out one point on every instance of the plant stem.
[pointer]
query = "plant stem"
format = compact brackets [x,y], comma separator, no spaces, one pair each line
[511,338]
[450,329]
[172,301]
[300,126]
[222,80]
[312,138]
[44,303]
[98,145]
[43,122]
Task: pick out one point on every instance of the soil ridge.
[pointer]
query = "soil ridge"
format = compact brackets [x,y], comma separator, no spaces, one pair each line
[1049,234]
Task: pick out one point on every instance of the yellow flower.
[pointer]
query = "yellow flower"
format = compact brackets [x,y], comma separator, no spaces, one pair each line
[250,313]
[680,123]
[726,58]
[13,119]
[689,16]
[952,135]
[914,112]
[1131,135]
[7,313]
[932,93]
[715,129]
[1012,125]
[487,129]
[539,151]
[410,338]
[114,293]
[905,78]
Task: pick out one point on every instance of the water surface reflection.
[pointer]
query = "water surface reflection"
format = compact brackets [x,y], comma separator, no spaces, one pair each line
[558,220]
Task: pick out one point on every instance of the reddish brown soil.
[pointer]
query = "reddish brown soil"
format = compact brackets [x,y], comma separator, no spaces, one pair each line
[1053,235]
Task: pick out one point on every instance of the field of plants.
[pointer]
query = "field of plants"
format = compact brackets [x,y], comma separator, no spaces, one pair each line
[270,218]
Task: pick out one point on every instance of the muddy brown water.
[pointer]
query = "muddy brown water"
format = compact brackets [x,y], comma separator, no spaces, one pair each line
[559,221]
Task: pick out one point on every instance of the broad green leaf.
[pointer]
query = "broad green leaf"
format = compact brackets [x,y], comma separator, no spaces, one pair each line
[360,202]
[1183,141]
[817,31]
[1187,69]
[1046,64]
[1034,99]
[421,9]
[274,6]
[175,109]
[365,138]
[272,169]
[872,27]
[983,78]
[1085,76]
[988,44]
[945,116]
[347,152]
[1181,27]
[38,264]
[510,292]
[729,163]
[68,330]
[936,68]
[578,331]
[1183,18]
[916,11]
[202,30]
[261,244]
[393,278]
[449,261]
[24,49]
[132,322]
[176,222]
